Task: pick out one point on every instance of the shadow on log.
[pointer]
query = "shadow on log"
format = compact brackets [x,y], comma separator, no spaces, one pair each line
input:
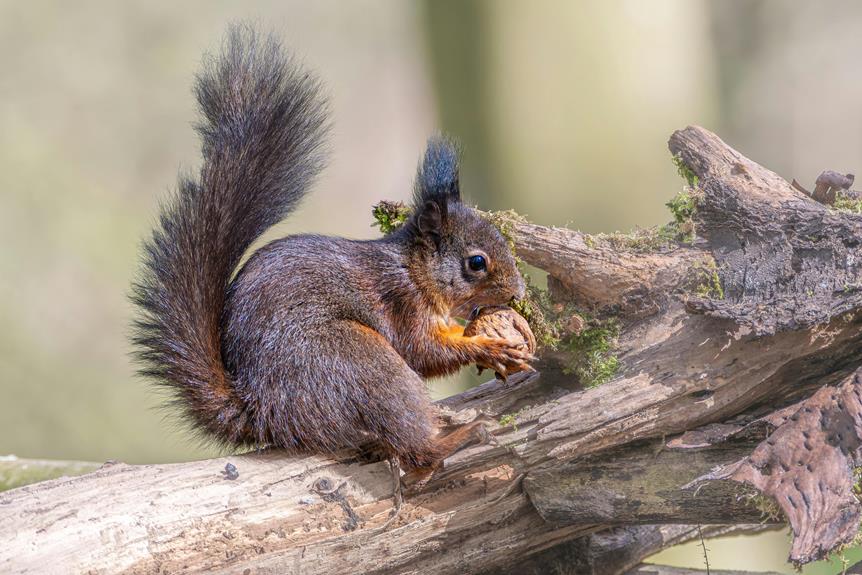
[725,398]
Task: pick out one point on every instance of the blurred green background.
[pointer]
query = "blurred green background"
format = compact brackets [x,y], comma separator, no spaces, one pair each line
[563,109]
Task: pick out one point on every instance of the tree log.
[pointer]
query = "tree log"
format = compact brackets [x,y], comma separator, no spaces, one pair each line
[724,399]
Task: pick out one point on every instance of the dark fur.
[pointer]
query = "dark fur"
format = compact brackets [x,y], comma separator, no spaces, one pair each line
[319,343]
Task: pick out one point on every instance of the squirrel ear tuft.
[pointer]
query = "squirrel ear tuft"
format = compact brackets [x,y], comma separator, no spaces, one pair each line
[436,186]
[438,173]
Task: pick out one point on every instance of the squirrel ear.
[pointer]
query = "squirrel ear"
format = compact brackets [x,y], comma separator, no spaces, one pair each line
[431,218]
[438,174]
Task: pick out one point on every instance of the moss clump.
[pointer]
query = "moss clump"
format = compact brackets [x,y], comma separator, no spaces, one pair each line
[591,350]
[534,308]
[706,282]
[683,206]
[389,216]
[508,419]
[847,204]
[639,240]
[505,221]
[648,240]
[685,172]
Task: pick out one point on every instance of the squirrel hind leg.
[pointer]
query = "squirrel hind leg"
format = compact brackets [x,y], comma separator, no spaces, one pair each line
[397,409]
[390,400]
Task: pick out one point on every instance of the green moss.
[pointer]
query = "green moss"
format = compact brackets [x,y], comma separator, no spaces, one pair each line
[640,240]
[591,352]
[847,204]
[535,308]
[685,172]
[705,280]
[857,483]
[681,230]
[505,222]
[507,420]
[683,206]
[389,216]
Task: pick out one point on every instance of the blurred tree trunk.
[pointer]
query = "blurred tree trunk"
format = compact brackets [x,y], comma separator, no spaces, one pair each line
[559,118]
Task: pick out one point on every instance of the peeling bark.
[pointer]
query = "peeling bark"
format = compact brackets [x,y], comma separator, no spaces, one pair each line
[807,465]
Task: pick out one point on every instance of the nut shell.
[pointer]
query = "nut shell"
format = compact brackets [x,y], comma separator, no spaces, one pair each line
[502,322]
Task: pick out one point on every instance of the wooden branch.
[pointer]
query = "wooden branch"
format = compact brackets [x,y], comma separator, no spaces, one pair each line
[784,260]
[566,462]
[647,483]
[596,276]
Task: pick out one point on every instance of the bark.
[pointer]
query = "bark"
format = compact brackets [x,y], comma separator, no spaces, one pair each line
[708,419]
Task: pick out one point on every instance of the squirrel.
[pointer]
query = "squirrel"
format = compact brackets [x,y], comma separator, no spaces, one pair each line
[316,344]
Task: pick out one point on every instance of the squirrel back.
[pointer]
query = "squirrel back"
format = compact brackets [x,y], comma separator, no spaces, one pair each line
[262,128]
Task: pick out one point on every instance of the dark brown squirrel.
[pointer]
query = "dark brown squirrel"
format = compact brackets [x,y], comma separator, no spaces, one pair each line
[317,344]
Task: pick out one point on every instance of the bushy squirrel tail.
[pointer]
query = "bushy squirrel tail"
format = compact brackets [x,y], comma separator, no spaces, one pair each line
[263,124]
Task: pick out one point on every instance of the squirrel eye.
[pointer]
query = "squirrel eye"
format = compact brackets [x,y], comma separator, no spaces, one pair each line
[477,263]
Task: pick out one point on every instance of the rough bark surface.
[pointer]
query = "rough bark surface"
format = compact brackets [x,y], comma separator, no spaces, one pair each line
[702,383]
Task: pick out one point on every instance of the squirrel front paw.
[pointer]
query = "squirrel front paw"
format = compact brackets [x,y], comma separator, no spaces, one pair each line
[504,356]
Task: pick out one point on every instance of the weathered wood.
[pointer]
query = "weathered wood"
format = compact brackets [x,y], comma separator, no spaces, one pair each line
[646,483]
[596,276]
[735,361]
[273,517]
[785,261]
[807,466]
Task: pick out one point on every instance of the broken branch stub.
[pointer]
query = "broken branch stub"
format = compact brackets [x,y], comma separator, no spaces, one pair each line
[784,260]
